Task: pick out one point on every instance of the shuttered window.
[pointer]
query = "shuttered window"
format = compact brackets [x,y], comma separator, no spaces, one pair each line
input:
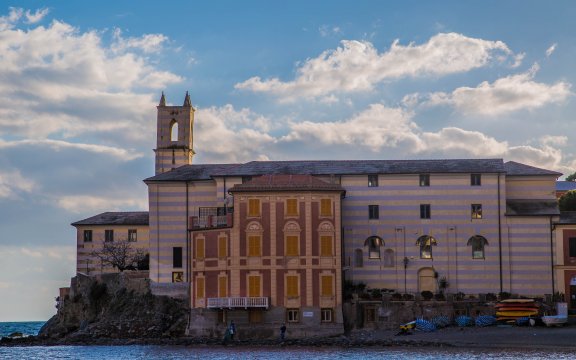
[254,207]
[222,287]
[254,286]
[292,207]
[291,245]
[254,245]
[199,287]
[292,286]
[222,247]
[200,254]
[325,207]
[326,245]
[326,283]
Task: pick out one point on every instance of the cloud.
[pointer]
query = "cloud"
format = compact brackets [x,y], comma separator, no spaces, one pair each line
[32,18]
[96,204]
[356,66]
[229,135]
[326,30]
[12,183]
[59,81]
[122,154]
[505,95]
[374,128]
[551,49]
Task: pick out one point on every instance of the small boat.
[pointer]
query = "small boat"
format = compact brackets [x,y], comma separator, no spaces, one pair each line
[555,320]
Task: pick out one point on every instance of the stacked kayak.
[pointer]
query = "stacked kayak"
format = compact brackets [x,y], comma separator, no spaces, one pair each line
[513,309]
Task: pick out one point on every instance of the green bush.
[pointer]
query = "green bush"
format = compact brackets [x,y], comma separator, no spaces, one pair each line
[427,295]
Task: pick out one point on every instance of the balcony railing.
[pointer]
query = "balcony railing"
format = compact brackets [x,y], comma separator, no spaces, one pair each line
[238,302]
[210,221]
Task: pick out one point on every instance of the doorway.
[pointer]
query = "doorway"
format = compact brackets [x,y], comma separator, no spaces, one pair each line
[426,280]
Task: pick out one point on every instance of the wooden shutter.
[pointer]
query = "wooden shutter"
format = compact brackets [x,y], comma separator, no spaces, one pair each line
[327,285]
[254,286]
[253,207]
[222,247]
[325,207]
[291,245]
[199,287]
[222,287]
[292,286]
[200,249]
[326,245]
[292,207]
[254,248]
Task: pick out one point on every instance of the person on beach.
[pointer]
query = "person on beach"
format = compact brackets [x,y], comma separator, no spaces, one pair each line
[282,332]
[232,329]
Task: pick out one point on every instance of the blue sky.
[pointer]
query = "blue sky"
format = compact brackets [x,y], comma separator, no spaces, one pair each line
[270,80]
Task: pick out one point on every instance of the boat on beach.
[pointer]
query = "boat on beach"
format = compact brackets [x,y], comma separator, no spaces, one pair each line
[555,320]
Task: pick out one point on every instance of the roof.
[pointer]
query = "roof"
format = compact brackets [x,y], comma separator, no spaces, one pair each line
[331,167]
[359,167]
[567,217]
[116,218]
[517,169]
[565,185]
[532,207]
[286,183]
[191,172]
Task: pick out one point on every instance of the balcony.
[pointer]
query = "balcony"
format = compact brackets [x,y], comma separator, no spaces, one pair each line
[211,218]
[238,302]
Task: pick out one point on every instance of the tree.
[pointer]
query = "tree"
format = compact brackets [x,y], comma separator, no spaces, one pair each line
[121,255]
[571,177]
[568,201]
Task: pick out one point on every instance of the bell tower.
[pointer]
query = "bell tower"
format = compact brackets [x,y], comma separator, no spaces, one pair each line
[174,135]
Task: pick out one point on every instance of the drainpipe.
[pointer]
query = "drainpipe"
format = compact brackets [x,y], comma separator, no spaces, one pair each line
[552,256]
[500,235]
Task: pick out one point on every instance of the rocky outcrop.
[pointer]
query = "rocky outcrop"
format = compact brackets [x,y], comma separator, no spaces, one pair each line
[99,308]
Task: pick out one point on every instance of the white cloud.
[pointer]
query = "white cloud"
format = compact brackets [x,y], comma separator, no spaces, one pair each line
[118,153]
[374,128]
[148,43]
[32,18]
[357,66]
[551,49]
[59,81]
[559,140]
[229,135]
[12,183]
[79,203]
[505,95]
[10,20]
[326,30]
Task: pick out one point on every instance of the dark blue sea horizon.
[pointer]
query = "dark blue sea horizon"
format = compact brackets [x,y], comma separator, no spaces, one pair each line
[27,328]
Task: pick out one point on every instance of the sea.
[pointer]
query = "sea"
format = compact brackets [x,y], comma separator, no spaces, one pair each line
[131,352]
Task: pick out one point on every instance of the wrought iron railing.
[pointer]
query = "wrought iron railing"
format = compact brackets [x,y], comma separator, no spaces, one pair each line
[237,302]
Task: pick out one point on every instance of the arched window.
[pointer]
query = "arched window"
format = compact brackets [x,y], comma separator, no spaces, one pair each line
[477,242]
[358,258]
[174,130]
[374,243]
[389,258]
[426,242]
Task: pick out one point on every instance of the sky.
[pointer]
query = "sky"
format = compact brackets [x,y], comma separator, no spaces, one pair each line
[271,80]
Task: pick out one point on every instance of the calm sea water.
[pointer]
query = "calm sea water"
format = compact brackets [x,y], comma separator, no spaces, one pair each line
[233,353]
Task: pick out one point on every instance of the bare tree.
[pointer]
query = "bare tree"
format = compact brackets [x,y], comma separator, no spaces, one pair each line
[121,255]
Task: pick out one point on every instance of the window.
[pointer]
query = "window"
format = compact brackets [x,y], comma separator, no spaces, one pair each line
[478,243]
[254,245]
[132,235]
[424,180]
[254,286]
[222,287]
[374,243]
[108,235]
[326,245]
[358,258]
[326,207]
[174,131]
[222,247]
[425,211]
[426,242]
[572,246]
[389,258]
[291,207]
[373,212]
[177,257]
[292,286]
[327,287]
[291,245]
[200,249]
[199,287]
[254,207]
[475,179]
[326,315]
[177,276]
[292,315]
[476,211]
[87,235]
[372,180]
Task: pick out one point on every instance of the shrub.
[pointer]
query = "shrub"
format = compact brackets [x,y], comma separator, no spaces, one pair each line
[427,295]
[396,296]
[439,296]
[407,297]
[97,291]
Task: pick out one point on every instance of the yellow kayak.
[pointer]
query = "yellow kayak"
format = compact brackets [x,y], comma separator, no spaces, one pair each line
[517,313]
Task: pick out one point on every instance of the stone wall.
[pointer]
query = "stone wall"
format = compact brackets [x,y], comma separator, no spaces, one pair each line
[179,290]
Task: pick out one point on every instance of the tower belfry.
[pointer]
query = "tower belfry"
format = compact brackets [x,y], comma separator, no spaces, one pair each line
[174,135]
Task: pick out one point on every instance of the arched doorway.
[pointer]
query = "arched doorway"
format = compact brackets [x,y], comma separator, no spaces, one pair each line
[426,280]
